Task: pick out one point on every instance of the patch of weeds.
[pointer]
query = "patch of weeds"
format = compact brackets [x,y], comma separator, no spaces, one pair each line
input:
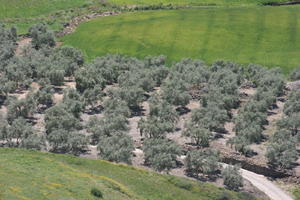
[181,183]
[225,196]
[246,196]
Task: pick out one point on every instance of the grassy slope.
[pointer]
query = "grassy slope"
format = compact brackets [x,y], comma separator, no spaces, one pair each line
[33,8]
[34,175]
[24,13]
[263,35]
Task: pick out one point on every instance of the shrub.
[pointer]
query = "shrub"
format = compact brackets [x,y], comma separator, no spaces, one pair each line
[200,136]
[175,91]
[202,161]
[232,177]
[181,183]
[96,192]
[282,153]
[295,74]
[225,196]
[41,36]
[116,148]
[161,154]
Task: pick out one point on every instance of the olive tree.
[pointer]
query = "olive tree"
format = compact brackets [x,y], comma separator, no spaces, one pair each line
[133,96]
[116,148]
[162,118]
[161,154]
[202,161]
[44,96]
[193,72]
[20,108]
[199,135]
[13,134]
[87,78]
[282,153]
[295,74]
[66,141]
[211,117]
[140,78]
[292,105]
[71,58]
[91,97]
[72,102]
[107,126]
[116,106]
[291,123]
[233,179]
[8,38]
[175,91]
[41,36]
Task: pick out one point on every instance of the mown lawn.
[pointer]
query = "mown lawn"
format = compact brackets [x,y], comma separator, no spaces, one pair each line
[32,175]
[264,35]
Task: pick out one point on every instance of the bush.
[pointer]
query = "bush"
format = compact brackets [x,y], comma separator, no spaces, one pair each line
[295,74]
[225,196]
[202,161]
[41,36]
[161,154]
[181,183]
[232,177]
[282,153]
[175,91]
[246,196]
[96,192]
[116,148]
[200,136]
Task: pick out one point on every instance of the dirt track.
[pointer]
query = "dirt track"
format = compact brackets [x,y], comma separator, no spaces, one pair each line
[266,186]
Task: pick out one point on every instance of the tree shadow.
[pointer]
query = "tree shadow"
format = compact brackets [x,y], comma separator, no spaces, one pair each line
[138,112]
[95,110]
[182,110]
[58,90]
[202,177]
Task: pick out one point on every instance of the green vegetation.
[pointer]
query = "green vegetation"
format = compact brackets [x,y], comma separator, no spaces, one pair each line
[297,193]
[118,86]
[195,2]
[34,8]
[262,35]
[32,175]
[54,12]
[232,177]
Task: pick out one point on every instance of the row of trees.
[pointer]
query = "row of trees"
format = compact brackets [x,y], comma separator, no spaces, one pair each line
[252,117]
[282,151]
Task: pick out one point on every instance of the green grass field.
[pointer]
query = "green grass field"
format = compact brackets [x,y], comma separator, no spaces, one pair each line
[33,175]
[34,8]
[24,13]
[262,35]
[194,2]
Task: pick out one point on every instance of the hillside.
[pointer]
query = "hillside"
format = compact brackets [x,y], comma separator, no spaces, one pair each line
[35,175]
[55,13]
